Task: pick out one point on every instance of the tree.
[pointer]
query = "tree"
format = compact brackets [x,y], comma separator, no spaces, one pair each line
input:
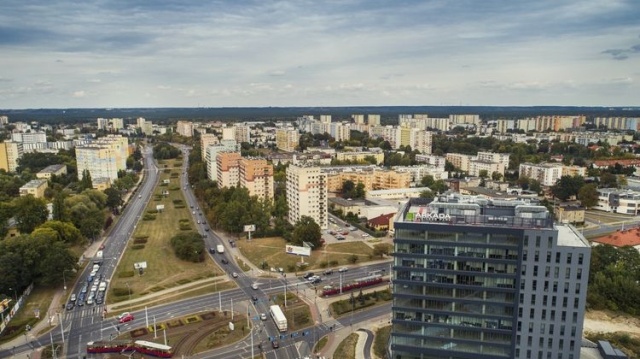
[382,249]
[114,198]
[483,174]
[188,246]
[306,230]
[65,232]
[29,212]
[348,188]
[567,186]
[427,181]
[588,195]
[534,185]
[58,208]
[496,176]
[85,182]
[608,180]
[427,194]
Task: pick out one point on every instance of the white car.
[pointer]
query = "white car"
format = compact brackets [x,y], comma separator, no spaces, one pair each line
[343,269]
[254,286]
[263,316]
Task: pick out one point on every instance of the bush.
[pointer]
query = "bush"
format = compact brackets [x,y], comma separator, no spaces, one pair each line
[177,201]
[152,211]
[141,236]
[179,206]
[139,240]
[333,263]
[185,226]
[137,246]
[352,259]
[166,170]
[149,217]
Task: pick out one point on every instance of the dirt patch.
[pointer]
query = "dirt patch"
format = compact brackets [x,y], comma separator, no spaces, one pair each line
[597,321]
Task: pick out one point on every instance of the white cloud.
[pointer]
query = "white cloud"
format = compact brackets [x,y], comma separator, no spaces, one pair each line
[79,94]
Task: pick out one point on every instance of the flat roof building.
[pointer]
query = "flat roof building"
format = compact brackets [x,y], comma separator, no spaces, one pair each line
[486,279]
[35,188]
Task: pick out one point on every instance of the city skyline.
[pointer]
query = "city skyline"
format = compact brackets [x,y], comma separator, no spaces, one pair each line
[286,53]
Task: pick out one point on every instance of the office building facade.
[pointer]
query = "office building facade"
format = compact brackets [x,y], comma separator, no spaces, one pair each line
[484,279]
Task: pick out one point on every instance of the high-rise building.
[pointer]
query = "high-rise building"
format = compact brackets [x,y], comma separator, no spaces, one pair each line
[206,140]
[10,153]
[307,194]
[243,133]
[211,154]
[373,120]
[256,175]
[4,120]
[104,157]
[474,278]
[228,171]
[358,119]
[185,128]
[287,139]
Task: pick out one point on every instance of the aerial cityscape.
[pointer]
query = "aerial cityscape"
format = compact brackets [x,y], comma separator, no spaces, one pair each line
[313,180]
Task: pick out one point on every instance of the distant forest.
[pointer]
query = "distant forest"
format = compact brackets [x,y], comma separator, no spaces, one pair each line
[388,114]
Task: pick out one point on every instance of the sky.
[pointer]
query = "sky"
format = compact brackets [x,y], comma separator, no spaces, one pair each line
[243,53]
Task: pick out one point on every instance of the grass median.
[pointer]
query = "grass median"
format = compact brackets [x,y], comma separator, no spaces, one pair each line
[150,243]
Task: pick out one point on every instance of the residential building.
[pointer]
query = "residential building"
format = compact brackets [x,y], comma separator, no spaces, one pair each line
[574,171]
[103,157]
[110,124]
[228,171]
[185,128]
[395,193]
[35,188]
[340,131]
[242,133]
[545,173]
[459,160]
[307,194]
[569,213]
[10,153]
[501,158]
[358,119]
[372,177]
[29,137]
[206,140]
[256,175]
[474,278]
[383,222]
[417,173]
[433,160]
[228,133]
[52,170]
[287,139]
[356,155]
[4,120]
[621,238]
[373,120]
[211,154]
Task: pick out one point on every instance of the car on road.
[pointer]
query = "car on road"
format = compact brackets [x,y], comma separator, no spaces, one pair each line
[212,250]
[343,269]
[73,297]
[275,344]
[225,261]
[206,229]
[344,233]
[234,275]
[125,317]
[340,238]
[328,272]
[365,235]
[254,298]
[70,305]
[254,286]
[263,316]
[308,275]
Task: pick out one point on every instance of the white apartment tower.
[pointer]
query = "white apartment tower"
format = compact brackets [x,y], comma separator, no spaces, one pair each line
[103,158]
[307,194]
[206,140]
[185,128]
[287,139]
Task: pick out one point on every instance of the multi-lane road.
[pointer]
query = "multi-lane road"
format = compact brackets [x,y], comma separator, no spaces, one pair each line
[90,323]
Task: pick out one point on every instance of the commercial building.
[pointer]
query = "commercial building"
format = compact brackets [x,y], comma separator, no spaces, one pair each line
[256,175]
[10,153]
[35,188]
[475,278]
[307,194]
[618,201]
[52,170]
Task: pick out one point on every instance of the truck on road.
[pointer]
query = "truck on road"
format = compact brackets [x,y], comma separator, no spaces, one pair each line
[220,248]
[278,318]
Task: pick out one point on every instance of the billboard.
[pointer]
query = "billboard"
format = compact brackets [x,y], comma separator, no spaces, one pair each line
[250,228]
[299,251]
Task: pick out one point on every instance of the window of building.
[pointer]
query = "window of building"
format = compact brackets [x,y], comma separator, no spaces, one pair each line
[568,258]
[553,301]
[575,317]
[533,299]
[558,258]
[526,241]
[537,256]
[544,300]
[519,312]
[580,258]
[555,287]
[535,285]
[537,241]
[556,272]
[547,271]
[550,343]
[544,314]
[576,301]
[530,327]
[562,329]
[542,328]
[549,242]
[524,255]
[579,273]
[535,271]
[577,288]
[548,256]
[530,341]
[567,273]
[564,305]
[524,269]
[546,285]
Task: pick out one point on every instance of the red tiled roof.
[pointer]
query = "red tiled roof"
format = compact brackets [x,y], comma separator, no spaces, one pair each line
[382,220]
[630,237]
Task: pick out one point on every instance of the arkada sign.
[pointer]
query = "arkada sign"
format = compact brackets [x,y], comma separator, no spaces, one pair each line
[432,217]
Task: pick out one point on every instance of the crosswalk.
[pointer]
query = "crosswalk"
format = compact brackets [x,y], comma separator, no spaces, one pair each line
[84,311]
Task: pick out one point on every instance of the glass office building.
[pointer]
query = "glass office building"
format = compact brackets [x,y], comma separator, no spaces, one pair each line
[476,278]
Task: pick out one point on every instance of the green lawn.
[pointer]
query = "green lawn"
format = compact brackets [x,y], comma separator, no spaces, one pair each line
[347,348]
[272,251]
[381,341]
[164,269]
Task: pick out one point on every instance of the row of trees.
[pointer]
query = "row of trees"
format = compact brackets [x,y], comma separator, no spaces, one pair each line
[613,279]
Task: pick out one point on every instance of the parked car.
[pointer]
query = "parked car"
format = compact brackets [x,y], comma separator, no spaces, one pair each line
[343,269]
[70,305]
[73,297]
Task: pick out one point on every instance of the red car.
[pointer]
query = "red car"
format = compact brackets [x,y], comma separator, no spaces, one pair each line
[125,317]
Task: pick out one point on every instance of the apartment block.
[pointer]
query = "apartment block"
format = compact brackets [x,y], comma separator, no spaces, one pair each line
[185,128]
[459,160]
[307,194]
[257,176]
[372,177]
[373,120]
[35,188]
[486,279]
[545,173]
[340,131]
[287,139]
[206,140]
[228,171]
[110,124]
[419,172]
[103,157]
[358,119]
[242,133]
[29,137]
[211,154]
[10,153]
[618,201]
[360,155]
